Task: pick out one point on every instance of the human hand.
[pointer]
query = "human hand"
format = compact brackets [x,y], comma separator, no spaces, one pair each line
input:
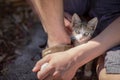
[59,67]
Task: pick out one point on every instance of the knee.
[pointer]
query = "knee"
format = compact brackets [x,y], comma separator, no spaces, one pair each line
[103,76]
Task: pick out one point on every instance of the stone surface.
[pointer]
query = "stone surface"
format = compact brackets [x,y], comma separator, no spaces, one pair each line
[21,67]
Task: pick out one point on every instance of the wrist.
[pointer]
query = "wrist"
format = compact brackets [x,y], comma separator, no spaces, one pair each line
[85,52]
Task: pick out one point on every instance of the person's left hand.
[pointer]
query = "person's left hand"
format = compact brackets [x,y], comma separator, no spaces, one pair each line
[67,23]
[60,67]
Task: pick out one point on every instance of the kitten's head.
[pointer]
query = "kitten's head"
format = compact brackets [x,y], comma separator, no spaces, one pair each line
[82,31]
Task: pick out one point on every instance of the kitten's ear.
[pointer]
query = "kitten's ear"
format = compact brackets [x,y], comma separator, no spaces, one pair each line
[93,23]
[75,20]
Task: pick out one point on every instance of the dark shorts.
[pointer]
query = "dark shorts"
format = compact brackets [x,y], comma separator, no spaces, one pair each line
[106,11]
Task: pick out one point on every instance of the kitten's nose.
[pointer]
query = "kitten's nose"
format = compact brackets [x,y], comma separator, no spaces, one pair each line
[73,38]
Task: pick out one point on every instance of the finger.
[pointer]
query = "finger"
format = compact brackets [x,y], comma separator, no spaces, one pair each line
[68,27]
[40,63]
[57,76]
[67,22]
[49,70]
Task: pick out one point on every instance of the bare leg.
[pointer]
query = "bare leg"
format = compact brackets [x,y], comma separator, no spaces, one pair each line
[102,75]
[50,13]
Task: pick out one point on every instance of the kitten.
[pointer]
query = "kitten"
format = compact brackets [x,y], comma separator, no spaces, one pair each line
[81,33]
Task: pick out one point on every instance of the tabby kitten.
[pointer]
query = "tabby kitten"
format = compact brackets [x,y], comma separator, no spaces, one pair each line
[81,33]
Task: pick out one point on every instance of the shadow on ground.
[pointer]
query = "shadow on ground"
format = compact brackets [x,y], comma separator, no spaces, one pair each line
[21,67]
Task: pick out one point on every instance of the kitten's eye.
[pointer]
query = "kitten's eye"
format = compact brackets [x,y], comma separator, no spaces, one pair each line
[86,34]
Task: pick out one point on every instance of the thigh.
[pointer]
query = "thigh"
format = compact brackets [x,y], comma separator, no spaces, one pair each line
[76,6]
[103,76]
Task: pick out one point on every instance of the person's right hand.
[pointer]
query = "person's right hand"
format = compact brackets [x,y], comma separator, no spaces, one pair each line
[60,67]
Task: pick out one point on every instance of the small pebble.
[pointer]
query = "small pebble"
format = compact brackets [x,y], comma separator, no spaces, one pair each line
[44,66]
